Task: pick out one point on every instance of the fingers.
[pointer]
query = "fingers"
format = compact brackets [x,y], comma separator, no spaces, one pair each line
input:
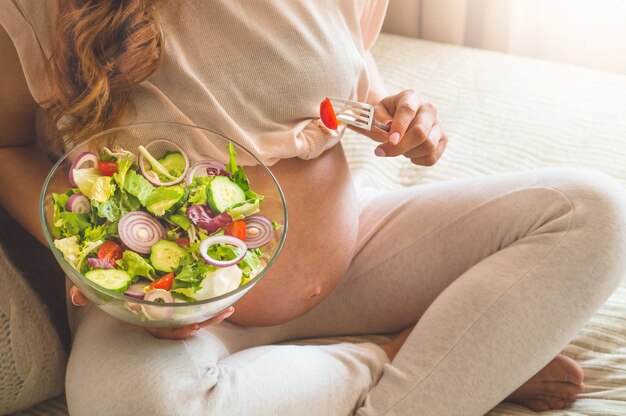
[187,331]
[77,297]
[432,158]
[405,108]
[417,134]
[217,318]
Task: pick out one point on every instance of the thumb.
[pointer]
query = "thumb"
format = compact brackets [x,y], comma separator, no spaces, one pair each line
[77,297]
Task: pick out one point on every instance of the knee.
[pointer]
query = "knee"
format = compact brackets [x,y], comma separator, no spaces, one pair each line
[116,369]
[598,204]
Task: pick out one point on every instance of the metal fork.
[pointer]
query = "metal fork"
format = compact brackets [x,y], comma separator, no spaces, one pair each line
[356,114]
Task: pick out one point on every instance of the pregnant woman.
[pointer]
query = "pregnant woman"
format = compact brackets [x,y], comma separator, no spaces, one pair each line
[485,279]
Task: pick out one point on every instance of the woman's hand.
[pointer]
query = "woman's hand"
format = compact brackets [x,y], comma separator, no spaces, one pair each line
[183,332]
[415,133]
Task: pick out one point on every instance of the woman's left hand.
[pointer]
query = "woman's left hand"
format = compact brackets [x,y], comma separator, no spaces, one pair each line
[415,133]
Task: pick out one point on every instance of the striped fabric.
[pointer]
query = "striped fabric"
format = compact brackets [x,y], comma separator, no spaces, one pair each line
[504,114]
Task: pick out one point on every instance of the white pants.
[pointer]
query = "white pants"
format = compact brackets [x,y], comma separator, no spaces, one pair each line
[499,273]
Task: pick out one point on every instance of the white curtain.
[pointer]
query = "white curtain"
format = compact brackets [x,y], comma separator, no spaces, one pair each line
[581,32]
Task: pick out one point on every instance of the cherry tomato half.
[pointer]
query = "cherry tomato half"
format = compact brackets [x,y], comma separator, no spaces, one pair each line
[107,168]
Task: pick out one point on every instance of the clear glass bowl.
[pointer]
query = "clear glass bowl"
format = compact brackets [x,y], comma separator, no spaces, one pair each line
[199,144]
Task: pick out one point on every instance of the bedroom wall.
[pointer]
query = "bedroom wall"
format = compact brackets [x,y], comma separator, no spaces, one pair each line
[590,33]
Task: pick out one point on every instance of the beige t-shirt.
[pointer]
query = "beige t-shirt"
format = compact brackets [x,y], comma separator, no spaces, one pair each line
[252,70]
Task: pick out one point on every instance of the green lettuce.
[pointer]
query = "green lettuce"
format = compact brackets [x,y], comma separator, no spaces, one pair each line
[100,232]
[69,247]
[117,206]
[136,265]
[102,189]
[181,220]
[244,209]
[198,190]
[123,166]
[138,186]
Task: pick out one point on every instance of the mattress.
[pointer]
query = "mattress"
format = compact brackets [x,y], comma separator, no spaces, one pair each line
[504,114]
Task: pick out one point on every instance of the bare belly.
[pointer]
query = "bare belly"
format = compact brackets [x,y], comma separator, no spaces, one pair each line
[323,222]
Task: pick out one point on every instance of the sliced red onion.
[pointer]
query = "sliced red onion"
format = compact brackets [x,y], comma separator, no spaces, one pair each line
[150,175]
[136,290]
[259,231]
[206,168]
[78,204]
[100,263]
[157,312]
[79,163]
[139,231]
[200,215]
[222,239]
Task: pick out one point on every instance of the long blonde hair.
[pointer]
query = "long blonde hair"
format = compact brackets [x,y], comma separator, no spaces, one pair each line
[102,49]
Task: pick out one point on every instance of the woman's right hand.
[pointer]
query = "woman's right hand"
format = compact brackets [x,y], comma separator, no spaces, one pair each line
[180,333]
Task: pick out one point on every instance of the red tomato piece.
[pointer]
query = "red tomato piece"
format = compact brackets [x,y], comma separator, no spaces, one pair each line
[327,114]
[110,252]
[237,229]
[164,282]
[107,168]
[183,242]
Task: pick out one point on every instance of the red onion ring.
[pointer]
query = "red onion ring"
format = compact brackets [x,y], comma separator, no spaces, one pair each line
[136,290]
[78,163]
[204,168]
[78,204]
[222,239]
[139,231]
[153,179]
[259,231]
[157,312]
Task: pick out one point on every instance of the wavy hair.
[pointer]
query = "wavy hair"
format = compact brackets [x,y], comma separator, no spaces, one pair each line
[102,49]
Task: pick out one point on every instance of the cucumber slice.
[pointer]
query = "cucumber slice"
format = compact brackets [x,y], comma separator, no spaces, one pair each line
[112,279]
[166,199]
[222,193]
[166,255]
[174,162]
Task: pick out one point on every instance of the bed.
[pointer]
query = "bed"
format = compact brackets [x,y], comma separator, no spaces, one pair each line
[503,114]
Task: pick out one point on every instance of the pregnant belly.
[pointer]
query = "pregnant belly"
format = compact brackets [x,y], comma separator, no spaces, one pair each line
[323,222]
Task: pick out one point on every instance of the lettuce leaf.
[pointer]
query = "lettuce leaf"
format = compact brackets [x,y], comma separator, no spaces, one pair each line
[136,265]
[120,204]
[138,186]
[72,224]
[100,232]
[181,220]
[123,167]
[198,190]
[236,173]
[102,189]
[244,209]
[59,202]
[69,247]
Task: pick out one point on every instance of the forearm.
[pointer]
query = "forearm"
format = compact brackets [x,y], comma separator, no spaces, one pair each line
[377,89]
[23,170]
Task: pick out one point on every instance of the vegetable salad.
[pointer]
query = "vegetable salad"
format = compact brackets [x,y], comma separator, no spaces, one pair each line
[155,228]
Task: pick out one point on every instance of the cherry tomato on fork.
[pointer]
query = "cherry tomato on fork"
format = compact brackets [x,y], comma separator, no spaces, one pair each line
[327,114]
